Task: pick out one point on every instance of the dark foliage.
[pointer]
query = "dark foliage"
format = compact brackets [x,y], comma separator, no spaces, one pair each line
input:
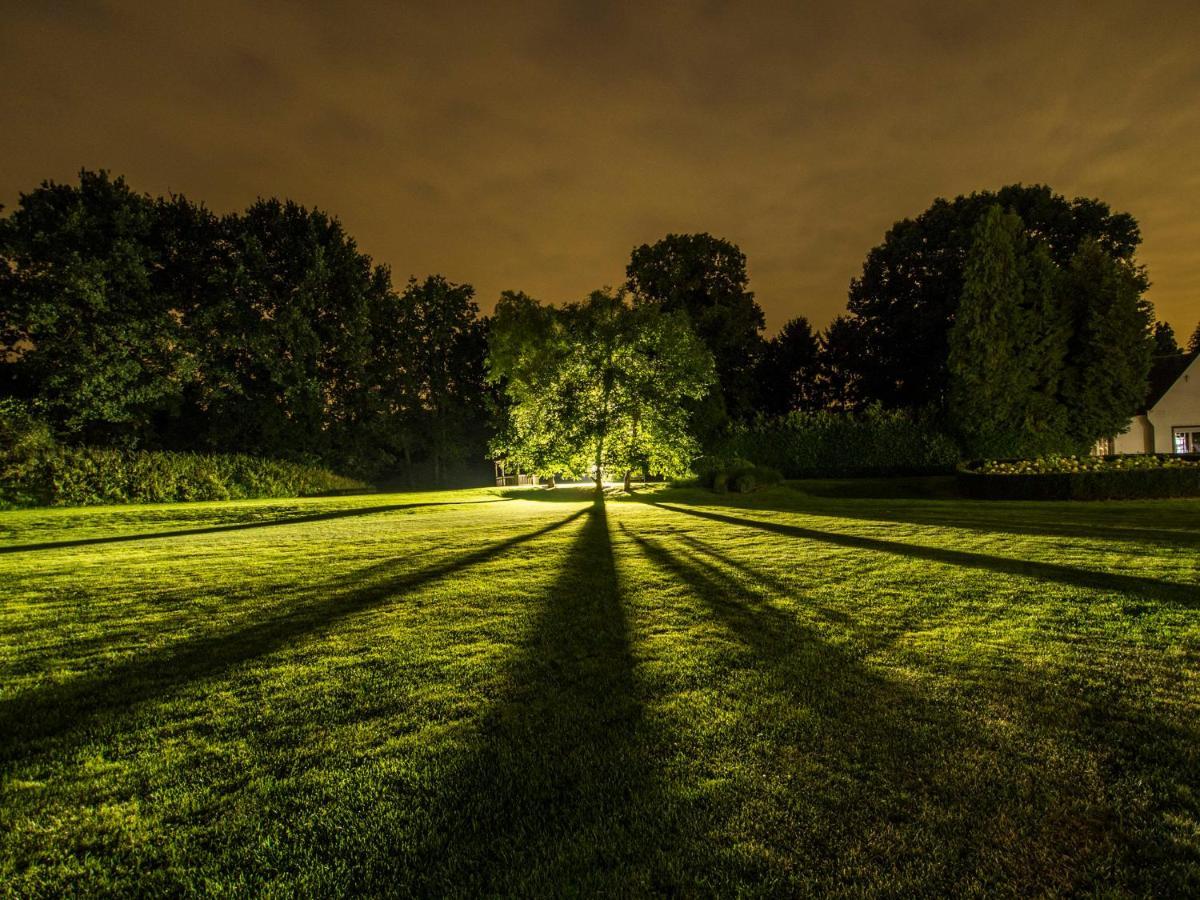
[907,296]
[815,444]
[141,323]
[1164,340]
[788,372]
[706,278]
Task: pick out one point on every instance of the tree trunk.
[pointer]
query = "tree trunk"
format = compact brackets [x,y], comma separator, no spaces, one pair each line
[599,459]
[628,481]
[551,480]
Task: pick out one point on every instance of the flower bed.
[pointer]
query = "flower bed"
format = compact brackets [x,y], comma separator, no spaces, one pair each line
[1082,478]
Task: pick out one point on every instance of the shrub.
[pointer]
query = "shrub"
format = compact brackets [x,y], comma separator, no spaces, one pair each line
[80,476]
[24,440]
[830,444]
[1082,478]
[735,475]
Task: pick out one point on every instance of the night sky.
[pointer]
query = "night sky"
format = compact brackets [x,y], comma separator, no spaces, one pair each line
[532,146]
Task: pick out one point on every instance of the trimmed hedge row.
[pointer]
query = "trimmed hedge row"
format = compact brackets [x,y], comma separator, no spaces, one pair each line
[81,476]
[1098,484]
[831,444]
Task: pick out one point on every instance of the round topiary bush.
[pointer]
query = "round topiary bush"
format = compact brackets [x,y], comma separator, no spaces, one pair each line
[1082,478]
[745,483]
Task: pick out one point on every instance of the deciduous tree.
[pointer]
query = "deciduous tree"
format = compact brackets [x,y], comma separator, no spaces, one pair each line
[705,277]
[596,386]
[908,293]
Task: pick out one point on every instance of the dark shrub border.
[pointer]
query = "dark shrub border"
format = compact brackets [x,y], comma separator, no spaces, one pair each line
[83,476]
[1112,484]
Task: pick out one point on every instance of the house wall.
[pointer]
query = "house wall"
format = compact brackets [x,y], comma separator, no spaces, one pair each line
[1179,406]
[1137,438]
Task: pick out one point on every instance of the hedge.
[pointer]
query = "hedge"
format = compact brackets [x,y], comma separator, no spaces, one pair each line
[79,476]
[831,444]
[1174,476]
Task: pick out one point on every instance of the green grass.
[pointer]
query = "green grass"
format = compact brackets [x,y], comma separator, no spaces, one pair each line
[853,687]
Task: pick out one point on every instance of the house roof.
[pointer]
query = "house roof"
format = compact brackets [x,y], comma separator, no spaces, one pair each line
[1164,372]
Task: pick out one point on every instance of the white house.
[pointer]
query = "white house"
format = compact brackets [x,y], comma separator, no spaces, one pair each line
[1170,421]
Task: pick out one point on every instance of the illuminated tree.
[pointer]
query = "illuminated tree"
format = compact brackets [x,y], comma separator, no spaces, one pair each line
[597,386]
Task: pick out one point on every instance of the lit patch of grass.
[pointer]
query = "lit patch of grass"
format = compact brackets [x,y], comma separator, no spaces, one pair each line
[485,692]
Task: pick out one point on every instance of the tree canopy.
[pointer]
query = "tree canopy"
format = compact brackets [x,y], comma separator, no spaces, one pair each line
[1165,343]
[705,278]
[131,321]
[1043,358]
[597,386]
[1007,345]
[907,296]
[788,373]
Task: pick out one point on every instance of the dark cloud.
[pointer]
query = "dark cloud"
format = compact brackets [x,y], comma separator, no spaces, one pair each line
[533,145]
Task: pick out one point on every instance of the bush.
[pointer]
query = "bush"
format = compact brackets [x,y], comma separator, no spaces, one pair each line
[1082,478]
[24,440]
[81,476]
[735,475]
[830,444]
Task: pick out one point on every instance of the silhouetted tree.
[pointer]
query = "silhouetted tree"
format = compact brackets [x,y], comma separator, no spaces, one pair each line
[908,293]
[1194,341]
[1164,340]
[1110,349]
[787,378]
[447,347]
[837,364]
[296,337]
[705,277]
[1007,345]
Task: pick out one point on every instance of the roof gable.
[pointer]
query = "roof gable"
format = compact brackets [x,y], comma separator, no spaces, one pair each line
[1164,372]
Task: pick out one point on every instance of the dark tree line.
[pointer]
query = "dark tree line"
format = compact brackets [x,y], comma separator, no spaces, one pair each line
[152,323]
[1014,319]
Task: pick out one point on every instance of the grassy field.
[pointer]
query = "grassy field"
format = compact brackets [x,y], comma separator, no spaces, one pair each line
[827,687]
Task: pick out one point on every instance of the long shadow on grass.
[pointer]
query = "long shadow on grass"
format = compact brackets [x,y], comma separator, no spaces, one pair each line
[555,793]
[889,788]
[1181,594]
[53,711]
[1040,519]
[238,526]
[871,756]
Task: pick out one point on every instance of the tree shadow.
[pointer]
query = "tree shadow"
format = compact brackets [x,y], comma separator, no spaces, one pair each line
[900,790]
[47,713]
[757,575]
[873,753]
[982,516]
[554,795]
[1169,592]
[237,526]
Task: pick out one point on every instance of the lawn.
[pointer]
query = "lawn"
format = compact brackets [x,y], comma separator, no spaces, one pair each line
[826,687]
